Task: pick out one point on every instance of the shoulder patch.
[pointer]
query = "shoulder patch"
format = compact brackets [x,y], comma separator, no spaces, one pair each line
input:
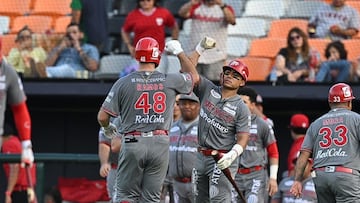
[215,94]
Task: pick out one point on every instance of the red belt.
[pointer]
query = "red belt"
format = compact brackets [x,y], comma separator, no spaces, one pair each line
[207,152]
[249,170]
[148,134]
[183,180]
[18,188]
[331,169]
[114,166]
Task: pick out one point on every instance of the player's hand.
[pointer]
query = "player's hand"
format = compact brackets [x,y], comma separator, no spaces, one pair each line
[204,44]
[8,199]
[31,194]
[27,155]
[110,131]
[273,187]
[173,47]
[227,159]
[296,189]
[104,170]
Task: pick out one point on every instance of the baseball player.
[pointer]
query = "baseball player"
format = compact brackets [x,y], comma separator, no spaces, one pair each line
[283,195]
[252,176]
[11,89]
[144,99]
[224,125]
[299,123]
[333,142]
[108,158]
[183,148]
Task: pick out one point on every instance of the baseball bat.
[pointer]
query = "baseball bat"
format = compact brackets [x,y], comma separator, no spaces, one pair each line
[216,155]
[30,184]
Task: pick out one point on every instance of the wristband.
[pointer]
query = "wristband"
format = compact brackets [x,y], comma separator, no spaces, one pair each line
[7,193]
[26,144]
[273,171]
[238,149]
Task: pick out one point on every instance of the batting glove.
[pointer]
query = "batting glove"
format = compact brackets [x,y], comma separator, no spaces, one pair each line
[27,155]
[110,131]
[229,157]
[204,44]
[173,47]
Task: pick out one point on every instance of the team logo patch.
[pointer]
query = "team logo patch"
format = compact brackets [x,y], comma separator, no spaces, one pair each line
[347,92]
[215,94]
[159,21]
[214,191]
[174,129]
[155,52]
[230,111]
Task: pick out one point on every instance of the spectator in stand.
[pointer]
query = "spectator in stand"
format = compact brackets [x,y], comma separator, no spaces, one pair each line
[27,59]
[335,21]
[336,68]
[52,195]
[92,17]
[72,55]
[209,18]
[148,20]
[283,195]
[297,62]
[177,112]
[299,123]
[17,189]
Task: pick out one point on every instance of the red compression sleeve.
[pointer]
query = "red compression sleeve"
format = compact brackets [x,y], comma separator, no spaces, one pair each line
[273,150]
[22,120]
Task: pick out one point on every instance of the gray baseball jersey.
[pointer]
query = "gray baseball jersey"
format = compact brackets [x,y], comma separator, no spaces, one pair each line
[327,15]
[219,122]
[11,90]
[334,140]
[183,152]
[254,184]
[284,195]
[145,102]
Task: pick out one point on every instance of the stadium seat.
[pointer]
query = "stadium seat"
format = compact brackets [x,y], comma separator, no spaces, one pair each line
[281,27]
[353,48]
[51,7]
[61,24]
[4,24]
[248,27]
[8,42]
[355,4]
[237,5]
[303,9]
[319,45]
[236,46]
[269,9]
[259,68]
[266,47]
[127,6]
[112,65]
[14,7]
[38,24]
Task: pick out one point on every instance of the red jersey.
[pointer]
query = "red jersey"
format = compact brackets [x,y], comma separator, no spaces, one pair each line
[149,25]
[13,146]
[293,153]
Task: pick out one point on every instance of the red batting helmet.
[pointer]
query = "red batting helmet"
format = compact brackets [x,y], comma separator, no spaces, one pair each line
[239,67]
[340,92]
[147,50]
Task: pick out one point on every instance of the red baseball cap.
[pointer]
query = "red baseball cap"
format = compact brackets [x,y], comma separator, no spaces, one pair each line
[299,121]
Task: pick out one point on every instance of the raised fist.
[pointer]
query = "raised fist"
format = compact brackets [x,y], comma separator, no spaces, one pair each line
[173,47]
[204,44]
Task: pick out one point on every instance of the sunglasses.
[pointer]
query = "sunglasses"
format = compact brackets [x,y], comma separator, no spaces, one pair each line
[234,74]
[292,38]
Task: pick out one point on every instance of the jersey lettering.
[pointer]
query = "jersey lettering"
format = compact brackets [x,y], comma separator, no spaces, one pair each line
[158,103]
[339,137]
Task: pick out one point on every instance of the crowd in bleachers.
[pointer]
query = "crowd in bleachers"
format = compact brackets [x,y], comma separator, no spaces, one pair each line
[260,31]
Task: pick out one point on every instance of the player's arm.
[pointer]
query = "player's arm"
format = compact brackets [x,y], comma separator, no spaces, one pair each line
[103,118]
[23,125]
[116,144]
[273,154]
[296,188]
[103,153]
[175,31]
[127,40]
